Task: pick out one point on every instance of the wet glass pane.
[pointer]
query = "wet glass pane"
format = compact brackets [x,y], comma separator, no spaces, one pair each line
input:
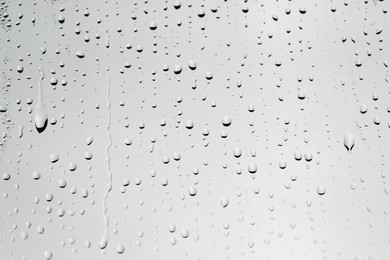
[186,129]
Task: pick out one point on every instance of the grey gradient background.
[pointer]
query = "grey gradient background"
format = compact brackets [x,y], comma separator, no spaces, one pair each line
[273,214]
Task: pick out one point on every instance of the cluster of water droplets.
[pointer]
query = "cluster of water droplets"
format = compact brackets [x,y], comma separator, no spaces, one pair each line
[194,129]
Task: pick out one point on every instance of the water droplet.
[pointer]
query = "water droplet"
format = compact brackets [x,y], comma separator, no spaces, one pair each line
[153,25]
[237,152]
[120,249]
[80,54]
[54,157]
[321,190]
[192,191]
[226,121]
[41,116]
[177,68]
[36,175]
[48,254]
[192,64]
[349,142]
[224,202]
[252,167]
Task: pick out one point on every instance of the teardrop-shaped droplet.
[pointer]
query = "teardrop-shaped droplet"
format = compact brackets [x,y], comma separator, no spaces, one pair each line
[349,142]
[40,109]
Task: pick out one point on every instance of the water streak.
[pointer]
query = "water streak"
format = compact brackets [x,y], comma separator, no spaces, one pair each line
[105,238]
[40,108]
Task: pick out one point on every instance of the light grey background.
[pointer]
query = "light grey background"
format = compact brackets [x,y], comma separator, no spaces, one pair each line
[269,216]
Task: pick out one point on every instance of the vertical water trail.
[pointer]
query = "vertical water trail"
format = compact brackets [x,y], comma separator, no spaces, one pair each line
[40,108]
[107,39]
[105,238]
[21,127]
